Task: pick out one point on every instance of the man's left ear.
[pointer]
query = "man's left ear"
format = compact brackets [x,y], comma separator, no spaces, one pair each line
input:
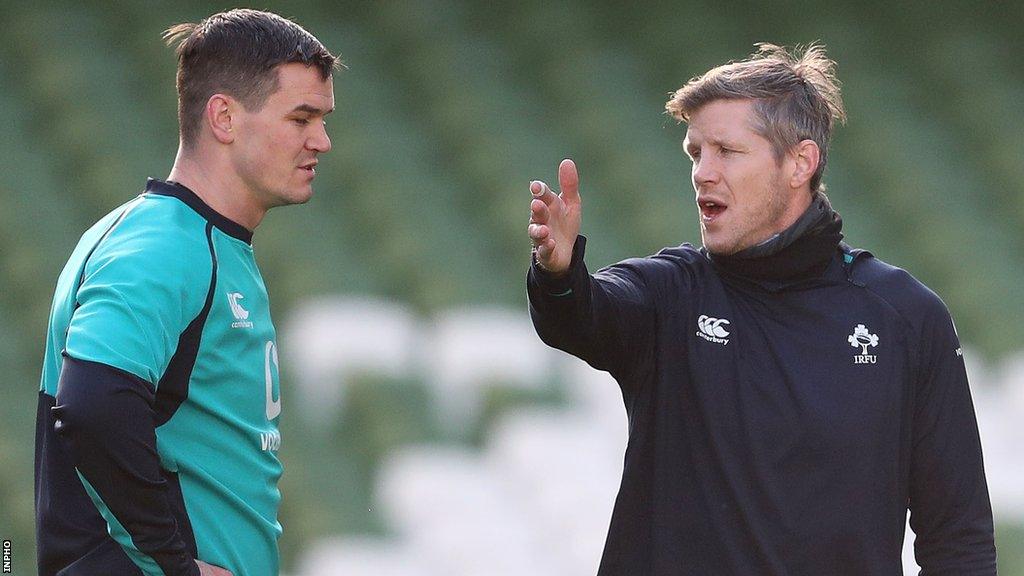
[806,155]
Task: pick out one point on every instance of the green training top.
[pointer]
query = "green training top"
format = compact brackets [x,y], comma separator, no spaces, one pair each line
[167,290]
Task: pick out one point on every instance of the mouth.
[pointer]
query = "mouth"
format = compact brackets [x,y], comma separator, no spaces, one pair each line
[710,210]
[309,168]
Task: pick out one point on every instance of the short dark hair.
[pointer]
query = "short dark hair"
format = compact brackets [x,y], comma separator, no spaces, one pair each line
[236,53]
[796,97]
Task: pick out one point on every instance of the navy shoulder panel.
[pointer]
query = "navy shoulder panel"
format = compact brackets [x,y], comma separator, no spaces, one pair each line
[683,258]
[914,301]
[684,255]
[671,268]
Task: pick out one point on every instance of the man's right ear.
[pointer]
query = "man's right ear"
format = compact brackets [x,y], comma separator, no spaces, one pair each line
[218,117]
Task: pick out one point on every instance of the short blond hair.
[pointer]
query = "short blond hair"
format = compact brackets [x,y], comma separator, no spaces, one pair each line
[796,96]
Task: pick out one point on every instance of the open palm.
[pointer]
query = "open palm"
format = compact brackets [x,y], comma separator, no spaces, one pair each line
[555,219]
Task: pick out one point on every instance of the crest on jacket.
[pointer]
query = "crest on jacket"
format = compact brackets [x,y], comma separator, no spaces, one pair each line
[863,338]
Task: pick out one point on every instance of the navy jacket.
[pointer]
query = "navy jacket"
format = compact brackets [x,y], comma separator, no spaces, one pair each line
[778,427]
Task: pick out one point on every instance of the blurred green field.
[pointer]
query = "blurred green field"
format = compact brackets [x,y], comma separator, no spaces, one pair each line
[446,112]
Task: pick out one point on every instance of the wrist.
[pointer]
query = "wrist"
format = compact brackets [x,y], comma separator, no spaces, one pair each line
[553,274]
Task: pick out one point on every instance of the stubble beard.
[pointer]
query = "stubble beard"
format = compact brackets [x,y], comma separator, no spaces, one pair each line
[758,225]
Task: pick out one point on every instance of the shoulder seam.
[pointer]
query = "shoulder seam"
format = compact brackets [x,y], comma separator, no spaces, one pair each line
[85,262]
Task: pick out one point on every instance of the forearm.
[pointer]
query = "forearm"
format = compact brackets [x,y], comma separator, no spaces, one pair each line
[599,318]
[949,502]
[105,423]
[950,509]
[560,307]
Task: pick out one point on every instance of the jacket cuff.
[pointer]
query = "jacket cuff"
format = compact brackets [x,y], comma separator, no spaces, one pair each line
[563,285]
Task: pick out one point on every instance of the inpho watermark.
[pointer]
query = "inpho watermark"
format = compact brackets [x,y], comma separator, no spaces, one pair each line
[7,556]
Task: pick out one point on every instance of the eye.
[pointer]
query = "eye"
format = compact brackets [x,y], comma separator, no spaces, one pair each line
[302,121]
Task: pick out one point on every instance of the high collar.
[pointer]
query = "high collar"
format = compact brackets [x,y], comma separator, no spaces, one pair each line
[193,201]
[798,254]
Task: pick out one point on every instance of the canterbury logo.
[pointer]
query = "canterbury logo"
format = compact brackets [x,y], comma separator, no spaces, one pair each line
[236,308]
[241,314]
[713,329]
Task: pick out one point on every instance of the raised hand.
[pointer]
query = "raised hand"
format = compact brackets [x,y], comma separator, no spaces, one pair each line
[555,219]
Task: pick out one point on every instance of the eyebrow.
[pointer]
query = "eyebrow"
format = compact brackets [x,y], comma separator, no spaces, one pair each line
[311,110]
[721,143]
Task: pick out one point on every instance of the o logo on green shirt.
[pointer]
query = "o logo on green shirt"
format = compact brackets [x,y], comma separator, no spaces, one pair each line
[273,406]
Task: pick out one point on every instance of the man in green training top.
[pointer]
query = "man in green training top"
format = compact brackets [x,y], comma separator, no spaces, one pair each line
[157,428]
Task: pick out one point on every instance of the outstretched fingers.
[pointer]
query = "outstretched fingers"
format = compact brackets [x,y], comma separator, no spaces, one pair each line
[538,230]
[542,192]
[569,181]
[539,212]
[555,219]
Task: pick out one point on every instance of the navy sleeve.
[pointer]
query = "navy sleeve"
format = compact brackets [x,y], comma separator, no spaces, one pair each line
[603,319]
[104,420]
[949,503]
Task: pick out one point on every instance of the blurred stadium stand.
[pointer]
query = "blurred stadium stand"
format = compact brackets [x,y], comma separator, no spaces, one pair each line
[536,497]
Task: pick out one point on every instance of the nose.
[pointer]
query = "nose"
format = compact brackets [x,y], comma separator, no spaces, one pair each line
[704,172]
[320,141]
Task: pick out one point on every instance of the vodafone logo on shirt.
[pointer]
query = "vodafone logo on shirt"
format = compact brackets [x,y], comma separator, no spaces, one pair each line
[713,329]
[270,441]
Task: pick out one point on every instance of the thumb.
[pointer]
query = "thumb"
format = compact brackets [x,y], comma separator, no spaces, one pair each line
[569,181]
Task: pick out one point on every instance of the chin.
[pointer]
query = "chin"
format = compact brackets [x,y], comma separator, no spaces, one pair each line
[297,197]
[719,247]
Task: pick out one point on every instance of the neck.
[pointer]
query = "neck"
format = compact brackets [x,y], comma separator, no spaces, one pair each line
[801,201]
[807,213]
[217,185]
[801,251]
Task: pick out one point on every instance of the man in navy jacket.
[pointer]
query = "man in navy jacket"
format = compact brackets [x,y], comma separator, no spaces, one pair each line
[789,397]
